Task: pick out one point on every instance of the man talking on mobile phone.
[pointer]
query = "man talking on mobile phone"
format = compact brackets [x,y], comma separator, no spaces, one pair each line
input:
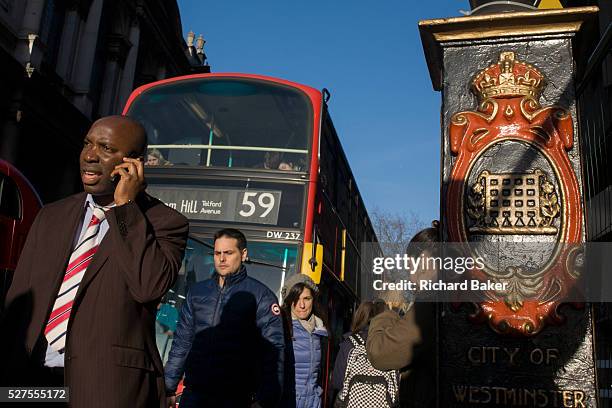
[81,309]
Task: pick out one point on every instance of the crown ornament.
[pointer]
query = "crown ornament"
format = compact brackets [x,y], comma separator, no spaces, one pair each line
[508,78]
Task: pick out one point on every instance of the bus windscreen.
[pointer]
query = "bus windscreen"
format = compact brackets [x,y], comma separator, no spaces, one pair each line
[270,263]
[226,122]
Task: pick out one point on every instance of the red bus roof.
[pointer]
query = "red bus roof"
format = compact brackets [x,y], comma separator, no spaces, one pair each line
[313,94]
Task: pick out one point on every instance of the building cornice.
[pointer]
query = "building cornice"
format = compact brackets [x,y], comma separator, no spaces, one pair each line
[437,32]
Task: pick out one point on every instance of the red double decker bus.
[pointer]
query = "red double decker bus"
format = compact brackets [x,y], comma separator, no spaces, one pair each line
[259,154]
[19,204]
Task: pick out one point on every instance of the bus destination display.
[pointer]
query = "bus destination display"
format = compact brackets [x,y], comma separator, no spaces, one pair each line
[216,204]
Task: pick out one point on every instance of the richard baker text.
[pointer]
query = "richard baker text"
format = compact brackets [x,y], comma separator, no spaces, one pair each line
[439,285]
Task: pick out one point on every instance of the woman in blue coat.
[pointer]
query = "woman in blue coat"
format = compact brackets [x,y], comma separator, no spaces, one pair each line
[307,335]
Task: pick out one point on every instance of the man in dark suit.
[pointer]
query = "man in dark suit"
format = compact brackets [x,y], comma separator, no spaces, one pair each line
[81,308]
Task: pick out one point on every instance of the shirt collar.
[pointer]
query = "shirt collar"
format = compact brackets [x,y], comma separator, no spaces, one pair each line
[89,202]
[232,278]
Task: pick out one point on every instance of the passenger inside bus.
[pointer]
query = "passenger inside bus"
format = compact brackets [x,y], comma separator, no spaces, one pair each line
[156,158]
[277,160]
[272,160]
[285,166]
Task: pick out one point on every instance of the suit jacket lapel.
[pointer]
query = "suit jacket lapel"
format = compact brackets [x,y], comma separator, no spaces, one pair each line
[66,229]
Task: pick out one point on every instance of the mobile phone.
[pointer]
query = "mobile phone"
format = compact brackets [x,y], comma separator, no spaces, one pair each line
[133,155]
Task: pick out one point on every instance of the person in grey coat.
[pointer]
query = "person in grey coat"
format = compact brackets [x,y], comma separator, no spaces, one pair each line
[307,338]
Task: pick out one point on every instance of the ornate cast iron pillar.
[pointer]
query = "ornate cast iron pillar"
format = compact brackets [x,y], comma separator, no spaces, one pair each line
[511,173]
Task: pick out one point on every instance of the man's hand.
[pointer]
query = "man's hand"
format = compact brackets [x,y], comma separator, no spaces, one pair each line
[132,182]
[256,405]
[171,401]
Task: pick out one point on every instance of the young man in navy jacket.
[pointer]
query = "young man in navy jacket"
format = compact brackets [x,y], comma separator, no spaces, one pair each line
[229,339]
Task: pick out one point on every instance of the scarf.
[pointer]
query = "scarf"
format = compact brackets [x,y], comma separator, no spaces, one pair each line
[309,324]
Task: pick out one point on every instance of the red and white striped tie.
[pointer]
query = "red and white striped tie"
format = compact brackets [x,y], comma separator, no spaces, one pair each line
[55,331]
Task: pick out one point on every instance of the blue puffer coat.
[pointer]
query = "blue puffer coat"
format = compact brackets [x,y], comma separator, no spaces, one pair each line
[229,342]
[307,354]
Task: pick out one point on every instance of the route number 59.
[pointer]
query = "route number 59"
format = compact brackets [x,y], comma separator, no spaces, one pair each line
[251,199]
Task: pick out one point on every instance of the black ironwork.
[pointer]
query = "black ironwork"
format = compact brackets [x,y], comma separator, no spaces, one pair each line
[594,94]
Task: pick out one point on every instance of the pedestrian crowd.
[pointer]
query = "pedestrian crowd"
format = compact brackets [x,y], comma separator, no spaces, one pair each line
[82,308]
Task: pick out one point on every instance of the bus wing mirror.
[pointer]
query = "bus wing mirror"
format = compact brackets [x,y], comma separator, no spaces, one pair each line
[312,266]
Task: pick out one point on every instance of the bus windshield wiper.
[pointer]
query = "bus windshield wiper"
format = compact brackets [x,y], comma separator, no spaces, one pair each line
[206,244]
[257,262]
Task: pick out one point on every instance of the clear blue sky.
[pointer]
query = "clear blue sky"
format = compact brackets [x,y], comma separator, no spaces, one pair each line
[369,55]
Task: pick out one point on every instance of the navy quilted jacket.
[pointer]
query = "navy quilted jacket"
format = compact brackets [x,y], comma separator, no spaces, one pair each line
[229,341]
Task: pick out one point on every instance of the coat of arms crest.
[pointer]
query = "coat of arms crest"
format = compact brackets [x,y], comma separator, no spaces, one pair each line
[512,180]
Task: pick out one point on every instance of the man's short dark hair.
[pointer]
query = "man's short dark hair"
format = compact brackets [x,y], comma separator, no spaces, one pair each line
[232,233]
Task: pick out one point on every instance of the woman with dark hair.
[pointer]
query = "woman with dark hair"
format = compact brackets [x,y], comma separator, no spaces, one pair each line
[359,328]
[364,313]
[396,342]
[306,333]
[428,236]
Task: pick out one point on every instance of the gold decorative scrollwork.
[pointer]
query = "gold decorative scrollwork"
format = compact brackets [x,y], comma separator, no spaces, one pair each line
[476,202]
[519,286]
[478,135]
[529,108]
[487,110]
[549,203]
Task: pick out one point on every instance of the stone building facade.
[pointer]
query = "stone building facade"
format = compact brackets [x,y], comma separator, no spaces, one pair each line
[594,92]
[66,63]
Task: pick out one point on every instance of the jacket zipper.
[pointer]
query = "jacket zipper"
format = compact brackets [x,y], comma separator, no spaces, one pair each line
[311,358]
[218,305]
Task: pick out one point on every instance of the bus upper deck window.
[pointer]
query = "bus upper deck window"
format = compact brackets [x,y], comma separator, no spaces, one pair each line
[226,122]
